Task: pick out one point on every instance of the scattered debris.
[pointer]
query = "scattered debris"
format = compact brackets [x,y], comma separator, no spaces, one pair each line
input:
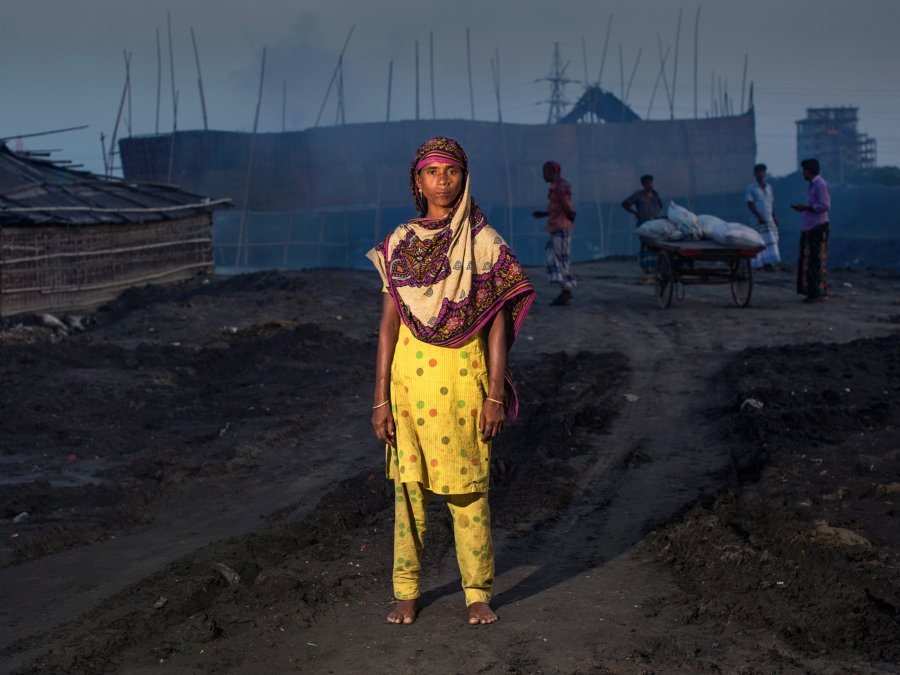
[752,405]
[232,577]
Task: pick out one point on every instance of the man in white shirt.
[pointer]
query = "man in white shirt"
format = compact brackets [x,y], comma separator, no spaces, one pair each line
[761,201]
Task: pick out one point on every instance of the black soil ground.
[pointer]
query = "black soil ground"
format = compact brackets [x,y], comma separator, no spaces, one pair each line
[190,484]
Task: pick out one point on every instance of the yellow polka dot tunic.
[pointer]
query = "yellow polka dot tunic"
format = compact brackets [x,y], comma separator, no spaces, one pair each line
[436,397]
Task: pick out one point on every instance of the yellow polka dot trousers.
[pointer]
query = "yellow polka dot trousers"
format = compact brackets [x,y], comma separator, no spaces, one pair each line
[436,397]
[471,532]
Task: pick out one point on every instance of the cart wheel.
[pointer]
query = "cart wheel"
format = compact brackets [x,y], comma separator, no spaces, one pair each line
[741,282]
[665,279]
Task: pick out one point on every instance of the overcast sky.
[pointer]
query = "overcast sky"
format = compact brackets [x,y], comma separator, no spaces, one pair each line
[61,62]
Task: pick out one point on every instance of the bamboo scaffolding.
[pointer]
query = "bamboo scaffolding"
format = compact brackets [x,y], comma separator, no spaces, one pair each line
[334,74]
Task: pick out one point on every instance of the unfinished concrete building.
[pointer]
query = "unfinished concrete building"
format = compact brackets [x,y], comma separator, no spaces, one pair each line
[831,135]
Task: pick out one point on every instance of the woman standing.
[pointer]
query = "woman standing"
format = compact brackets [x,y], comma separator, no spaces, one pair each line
[454,297]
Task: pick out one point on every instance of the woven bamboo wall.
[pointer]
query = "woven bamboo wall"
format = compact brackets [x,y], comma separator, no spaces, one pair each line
[59,269]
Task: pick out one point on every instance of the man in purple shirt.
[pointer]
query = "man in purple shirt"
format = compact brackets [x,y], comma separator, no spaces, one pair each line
[812,276]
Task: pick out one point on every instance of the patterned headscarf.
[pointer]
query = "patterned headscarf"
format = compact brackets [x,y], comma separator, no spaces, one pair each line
[438,149]
[448,277]
[554,167]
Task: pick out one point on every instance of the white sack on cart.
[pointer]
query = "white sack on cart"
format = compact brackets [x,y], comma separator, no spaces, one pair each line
[685,221]
[661,229]
[736,235]
[708,223]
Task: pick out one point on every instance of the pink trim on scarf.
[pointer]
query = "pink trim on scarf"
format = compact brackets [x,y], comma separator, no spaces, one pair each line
[435,158]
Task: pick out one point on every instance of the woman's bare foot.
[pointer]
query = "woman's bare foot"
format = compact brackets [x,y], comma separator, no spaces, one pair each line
[481,612]
[404,612]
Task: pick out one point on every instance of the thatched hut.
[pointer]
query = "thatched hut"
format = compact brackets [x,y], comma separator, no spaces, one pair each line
[71,240]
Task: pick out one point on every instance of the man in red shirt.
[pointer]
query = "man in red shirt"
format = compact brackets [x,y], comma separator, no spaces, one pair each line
[560,216]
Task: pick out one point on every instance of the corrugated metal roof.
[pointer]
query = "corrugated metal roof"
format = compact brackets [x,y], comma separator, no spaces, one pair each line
[38,192]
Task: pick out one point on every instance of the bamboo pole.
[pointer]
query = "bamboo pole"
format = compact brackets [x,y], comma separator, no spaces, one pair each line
[417,79]
[112,141]
[171,67]
[744,82]
[469,63]
[339,117]
[696,56]
[158,78]
[172,140]
[495,68]
[387,117]
[675,65]
[431,68]
[45,133]
[199,78]
[605,47]
[621,74]
[665,76]
[128,79]
[242,229]
[659,76]
[631,79]
[334,74]
[584,58]
[283,104]
[105,158]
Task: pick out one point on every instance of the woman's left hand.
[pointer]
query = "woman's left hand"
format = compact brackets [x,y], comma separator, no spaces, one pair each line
[493,415]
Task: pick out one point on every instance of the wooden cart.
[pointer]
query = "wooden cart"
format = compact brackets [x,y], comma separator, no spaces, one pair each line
[684,262]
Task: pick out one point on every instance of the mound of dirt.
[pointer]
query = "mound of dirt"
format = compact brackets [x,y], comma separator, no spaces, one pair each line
[227,597]
[805,541]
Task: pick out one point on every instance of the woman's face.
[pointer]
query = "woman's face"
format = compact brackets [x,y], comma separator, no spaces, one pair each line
[440,185]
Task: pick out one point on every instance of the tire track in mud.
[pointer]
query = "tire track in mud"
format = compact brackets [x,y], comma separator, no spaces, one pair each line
[647,467]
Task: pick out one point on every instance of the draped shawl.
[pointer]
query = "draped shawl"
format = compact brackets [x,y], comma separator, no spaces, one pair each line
[448,277]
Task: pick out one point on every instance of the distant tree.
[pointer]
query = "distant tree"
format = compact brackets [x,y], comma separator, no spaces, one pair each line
[881,175]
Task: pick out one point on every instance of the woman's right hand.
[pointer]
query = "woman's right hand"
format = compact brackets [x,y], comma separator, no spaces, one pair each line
[383,424]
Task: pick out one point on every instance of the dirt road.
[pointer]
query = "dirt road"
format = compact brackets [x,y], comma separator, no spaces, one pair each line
[238,519]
